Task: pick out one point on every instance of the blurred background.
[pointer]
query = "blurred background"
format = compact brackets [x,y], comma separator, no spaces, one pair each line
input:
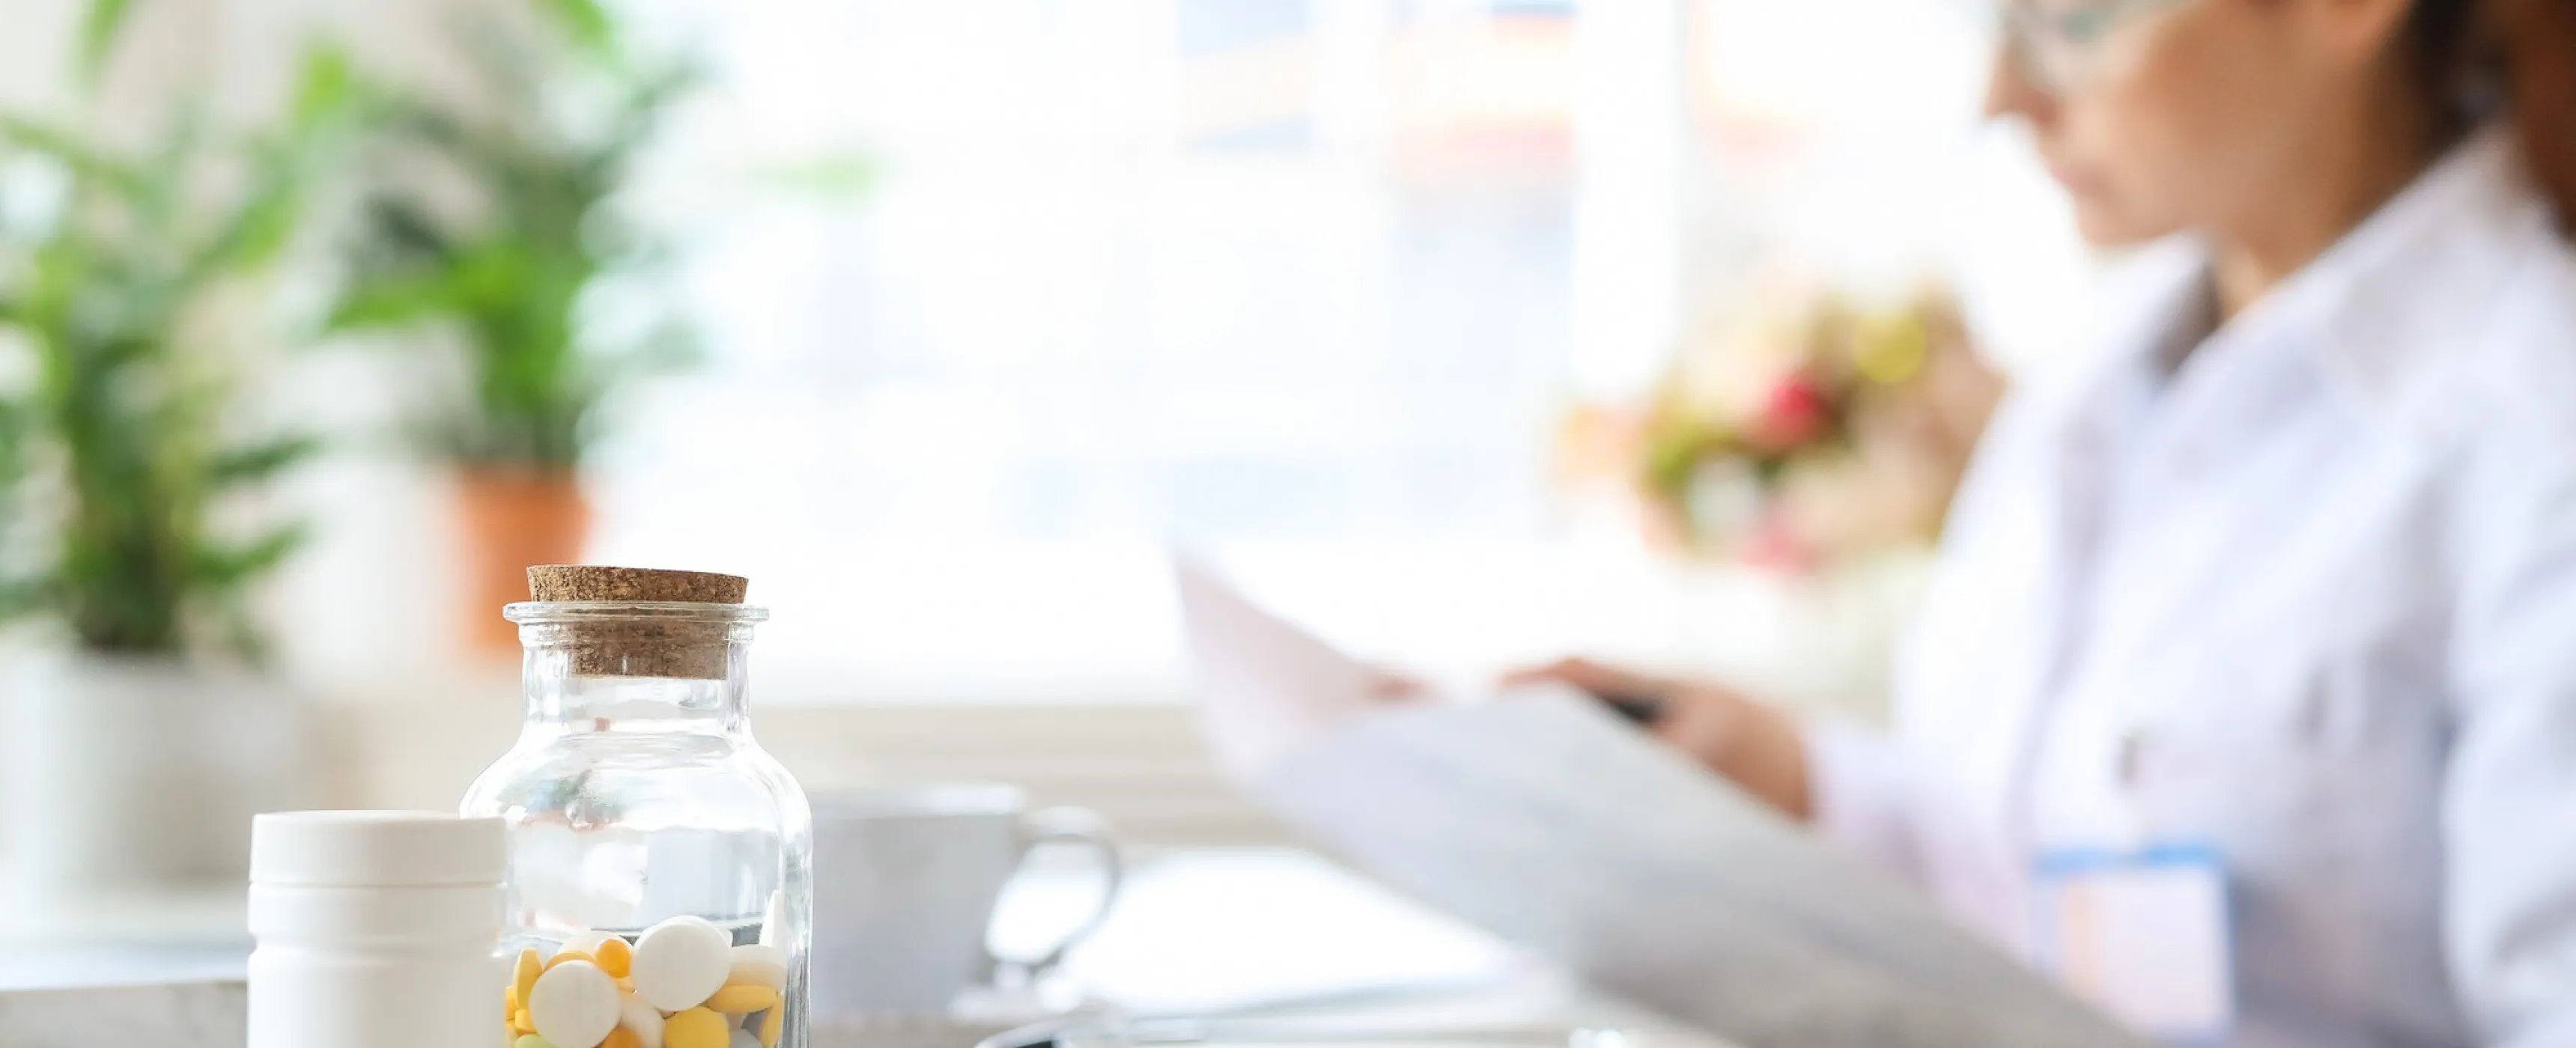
[1468,332]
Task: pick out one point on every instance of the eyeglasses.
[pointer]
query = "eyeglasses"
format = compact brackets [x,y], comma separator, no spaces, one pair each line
[2057,47]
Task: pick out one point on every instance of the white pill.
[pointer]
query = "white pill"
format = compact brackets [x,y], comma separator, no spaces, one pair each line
[680,962]
[757,964]
[573,1005]
[770,916]
[640,1018]
[743,1038]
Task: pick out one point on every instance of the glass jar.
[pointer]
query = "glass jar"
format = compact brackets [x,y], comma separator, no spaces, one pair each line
[636,800]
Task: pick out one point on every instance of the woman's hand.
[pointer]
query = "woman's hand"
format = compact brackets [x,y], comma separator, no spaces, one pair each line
[1757,747]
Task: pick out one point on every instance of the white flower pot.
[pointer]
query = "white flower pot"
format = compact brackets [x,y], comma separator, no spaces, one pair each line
[136,777]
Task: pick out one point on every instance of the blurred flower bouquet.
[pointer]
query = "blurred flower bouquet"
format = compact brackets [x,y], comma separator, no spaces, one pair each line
[1816,427]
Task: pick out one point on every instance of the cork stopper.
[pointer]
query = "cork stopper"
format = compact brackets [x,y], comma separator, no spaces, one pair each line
[556,583]
[642,645]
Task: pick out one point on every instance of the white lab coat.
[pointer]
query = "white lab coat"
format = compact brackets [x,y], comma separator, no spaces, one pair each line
[2311,599]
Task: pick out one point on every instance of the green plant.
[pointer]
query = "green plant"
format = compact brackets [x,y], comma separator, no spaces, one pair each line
[119,458]
[547,167]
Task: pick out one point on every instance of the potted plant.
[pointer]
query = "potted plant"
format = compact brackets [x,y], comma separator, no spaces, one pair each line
[508,274]
[145,734]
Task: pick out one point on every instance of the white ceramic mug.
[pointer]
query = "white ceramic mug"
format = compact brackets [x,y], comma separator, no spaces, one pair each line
[905,883]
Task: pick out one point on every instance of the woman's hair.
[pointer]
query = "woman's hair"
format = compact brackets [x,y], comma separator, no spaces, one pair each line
[2519,55]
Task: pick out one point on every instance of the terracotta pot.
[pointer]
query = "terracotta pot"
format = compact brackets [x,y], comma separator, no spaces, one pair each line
[509,520]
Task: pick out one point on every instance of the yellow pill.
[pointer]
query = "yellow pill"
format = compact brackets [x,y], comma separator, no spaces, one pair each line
[510,999]
[616,958]
[519,1021]
[769,1025]
[743,997]
[524,977]
[622,1037]
[695,1028]
[567,955]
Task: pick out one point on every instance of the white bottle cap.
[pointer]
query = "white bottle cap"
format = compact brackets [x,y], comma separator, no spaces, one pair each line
[355,849]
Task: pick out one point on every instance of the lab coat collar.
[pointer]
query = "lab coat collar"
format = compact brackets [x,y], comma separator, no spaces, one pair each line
[2421,279]
[2411,282]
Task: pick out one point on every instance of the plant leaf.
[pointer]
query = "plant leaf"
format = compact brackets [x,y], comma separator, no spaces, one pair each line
[99,28]
[586,22]
[263,220]
[217,569]
[400,231]
[260,461]
[21,597]
[70,149]
[258,231]
[162,195]
[266,216]
[327,88]
[375,304]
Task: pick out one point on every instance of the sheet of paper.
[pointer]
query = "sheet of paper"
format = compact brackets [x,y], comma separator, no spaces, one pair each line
[1267,687]
[1550,823]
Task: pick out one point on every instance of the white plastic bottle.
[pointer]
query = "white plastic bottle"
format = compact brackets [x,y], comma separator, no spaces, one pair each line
[375,928]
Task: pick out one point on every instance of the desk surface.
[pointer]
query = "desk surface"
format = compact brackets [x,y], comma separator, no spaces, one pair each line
[1245,933]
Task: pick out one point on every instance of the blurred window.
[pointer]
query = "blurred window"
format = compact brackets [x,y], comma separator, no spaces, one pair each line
[1279,275]
[1209,271]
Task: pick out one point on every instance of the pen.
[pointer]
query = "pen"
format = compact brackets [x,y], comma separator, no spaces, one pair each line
[1638,709]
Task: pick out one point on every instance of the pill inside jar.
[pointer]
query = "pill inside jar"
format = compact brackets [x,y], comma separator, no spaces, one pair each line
[683,983]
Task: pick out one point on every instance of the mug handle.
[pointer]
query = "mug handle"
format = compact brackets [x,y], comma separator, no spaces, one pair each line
[1072,826]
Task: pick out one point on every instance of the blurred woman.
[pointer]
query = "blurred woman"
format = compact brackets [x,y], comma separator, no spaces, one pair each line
[2283,582]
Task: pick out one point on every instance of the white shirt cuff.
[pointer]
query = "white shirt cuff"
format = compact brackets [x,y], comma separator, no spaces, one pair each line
[1859,790]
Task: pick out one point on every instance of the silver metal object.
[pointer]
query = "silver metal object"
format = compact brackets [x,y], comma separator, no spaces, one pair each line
[1116,1032]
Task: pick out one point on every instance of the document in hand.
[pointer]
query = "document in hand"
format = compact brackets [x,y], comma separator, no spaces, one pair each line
[1547,821]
